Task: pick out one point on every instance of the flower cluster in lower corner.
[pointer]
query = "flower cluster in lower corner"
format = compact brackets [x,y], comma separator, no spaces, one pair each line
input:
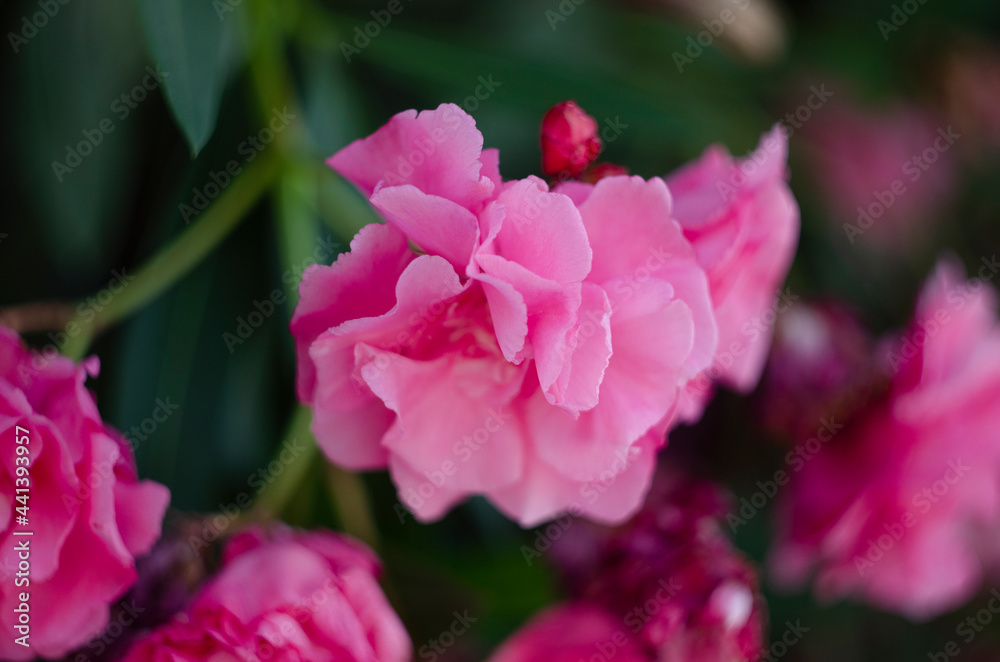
[666,586]
[76,516]
[285,594]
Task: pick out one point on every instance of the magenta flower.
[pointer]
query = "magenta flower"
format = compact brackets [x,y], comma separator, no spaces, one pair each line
[899,507]
[885,174]
[569,633]
[88,515]
[666,586]
[282,596]
[498,338]
[743,222]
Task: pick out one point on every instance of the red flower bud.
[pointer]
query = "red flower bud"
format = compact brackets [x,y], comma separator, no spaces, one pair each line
[569,140]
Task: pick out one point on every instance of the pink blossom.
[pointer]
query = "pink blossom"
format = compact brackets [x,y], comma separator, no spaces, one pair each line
[283,596]
[530,346]
[88,514]
[900,507]
[885,174]
[743,222]
[666,586]
[572,632]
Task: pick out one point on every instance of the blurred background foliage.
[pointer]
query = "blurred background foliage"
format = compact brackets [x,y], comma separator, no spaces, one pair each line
[231,65]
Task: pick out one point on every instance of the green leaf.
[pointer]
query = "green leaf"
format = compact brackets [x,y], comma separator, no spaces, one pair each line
[77,140]
[190,41]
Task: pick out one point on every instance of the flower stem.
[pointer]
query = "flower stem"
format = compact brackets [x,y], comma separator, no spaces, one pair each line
[182,254]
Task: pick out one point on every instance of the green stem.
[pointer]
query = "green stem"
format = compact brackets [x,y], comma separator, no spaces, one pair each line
[182,254]
[349,499]
[272,501]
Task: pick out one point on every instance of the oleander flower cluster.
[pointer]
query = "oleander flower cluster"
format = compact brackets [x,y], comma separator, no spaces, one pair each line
[528,343]
[75,490]
[666,586]
[902,506]
[284,594]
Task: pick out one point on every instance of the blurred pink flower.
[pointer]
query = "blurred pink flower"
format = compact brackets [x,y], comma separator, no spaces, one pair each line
[286,595]
[901,508]
[822,365]
[495,337]
[569,633]
[885,175]
[88,514]
[744,224]
[666,586]
[569,140]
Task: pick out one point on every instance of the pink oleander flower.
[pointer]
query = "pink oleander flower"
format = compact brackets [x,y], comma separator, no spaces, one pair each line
[901,507]
[666,586]
[885,174]
[285,595]
[88,514]
[569,140]
[569,633]
[743,222]
[498,338]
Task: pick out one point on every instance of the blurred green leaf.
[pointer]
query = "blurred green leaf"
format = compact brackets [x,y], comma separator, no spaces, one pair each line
[76,136]
[188,39]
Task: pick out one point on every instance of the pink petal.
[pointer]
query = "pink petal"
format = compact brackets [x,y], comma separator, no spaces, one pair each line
[652,335]
[437,151]
[349,420]
[361,283]
[542,232]
[429,498]
[454,415]
[437,225]
[589,345]
[631,230]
